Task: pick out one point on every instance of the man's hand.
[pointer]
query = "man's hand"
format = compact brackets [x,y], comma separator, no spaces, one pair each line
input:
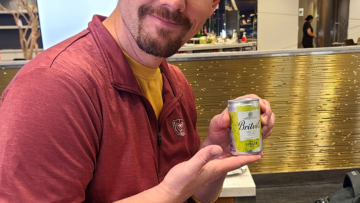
[203,175]
[219,125]
[190,177]
[203,168]
[219,135]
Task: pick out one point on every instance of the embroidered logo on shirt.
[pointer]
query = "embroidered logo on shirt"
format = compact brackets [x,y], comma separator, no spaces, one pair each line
[178,126]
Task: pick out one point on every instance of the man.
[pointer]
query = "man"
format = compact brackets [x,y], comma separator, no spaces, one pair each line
[101,117]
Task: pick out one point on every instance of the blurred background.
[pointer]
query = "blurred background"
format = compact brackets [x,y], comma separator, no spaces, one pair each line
[245,47]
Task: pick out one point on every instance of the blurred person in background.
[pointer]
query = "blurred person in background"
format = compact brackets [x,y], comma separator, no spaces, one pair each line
[308,36]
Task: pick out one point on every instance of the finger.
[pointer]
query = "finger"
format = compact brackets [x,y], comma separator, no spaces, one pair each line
[265,130]
[202,157]
[268,107]
[267,134]
[235,162]
[270,124]
[224,156]
[265,116]
[264,119]
[263,105]
[271,121]
[220,122]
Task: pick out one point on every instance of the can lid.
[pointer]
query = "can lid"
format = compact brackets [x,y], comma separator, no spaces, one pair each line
[243,99]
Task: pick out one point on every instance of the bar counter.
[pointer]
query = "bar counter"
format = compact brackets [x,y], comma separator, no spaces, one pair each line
[217,47]
[313,92]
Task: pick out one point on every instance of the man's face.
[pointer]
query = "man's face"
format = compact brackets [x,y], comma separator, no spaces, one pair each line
[161,27]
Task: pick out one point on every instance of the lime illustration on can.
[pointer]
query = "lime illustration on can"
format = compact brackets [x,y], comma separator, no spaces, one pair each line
[245,126]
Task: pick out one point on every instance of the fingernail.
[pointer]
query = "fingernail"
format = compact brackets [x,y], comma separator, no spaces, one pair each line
[215,151]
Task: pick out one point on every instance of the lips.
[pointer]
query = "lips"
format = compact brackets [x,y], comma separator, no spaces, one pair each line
[174,18]
[165,20]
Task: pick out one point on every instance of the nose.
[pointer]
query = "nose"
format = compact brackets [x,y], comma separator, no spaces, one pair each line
[175,5]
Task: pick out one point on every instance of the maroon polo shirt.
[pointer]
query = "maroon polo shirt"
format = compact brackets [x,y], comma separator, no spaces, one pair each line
[75,126]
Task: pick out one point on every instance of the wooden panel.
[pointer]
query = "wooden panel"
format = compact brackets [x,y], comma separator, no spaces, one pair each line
[316,100]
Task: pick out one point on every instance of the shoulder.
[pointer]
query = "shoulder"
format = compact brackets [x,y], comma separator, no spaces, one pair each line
[75,60]
[63,71]
[43,91]
[36,81]
[176,70]
[80,58]
[179,76]
[49,56]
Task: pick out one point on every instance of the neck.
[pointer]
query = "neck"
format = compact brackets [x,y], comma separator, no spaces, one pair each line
[115,25]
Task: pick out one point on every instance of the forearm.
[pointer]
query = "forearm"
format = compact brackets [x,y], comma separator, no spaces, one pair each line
[157,194]
[211,192]
[310,34]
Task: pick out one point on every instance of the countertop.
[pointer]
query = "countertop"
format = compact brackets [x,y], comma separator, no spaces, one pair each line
[236,54]
[239,185]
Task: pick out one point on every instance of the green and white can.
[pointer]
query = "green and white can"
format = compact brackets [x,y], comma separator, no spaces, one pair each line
[245,126]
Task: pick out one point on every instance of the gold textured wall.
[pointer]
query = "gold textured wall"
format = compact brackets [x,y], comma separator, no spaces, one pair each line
[316,100]
[6,75]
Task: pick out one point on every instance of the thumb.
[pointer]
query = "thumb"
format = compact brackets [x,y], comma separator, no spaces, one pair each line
[203,156]
[220,121]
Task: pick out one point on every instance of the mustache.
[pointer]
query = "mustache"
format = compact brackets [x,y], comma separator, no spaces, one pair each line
[166,14]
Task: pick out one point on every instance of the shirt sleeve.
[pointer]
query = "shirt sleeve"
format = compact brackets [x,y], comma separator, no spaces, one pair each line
[48,139]
[308,25]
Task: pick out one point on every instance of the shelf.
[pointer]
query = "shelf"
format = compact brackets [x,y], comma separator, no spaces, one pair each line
[5,12]
[12,27]
[201,47]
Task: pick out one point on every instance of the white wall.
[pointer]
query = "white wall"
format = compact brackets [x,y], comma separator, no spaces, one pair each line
[354,20]
[278,24]
[61,19]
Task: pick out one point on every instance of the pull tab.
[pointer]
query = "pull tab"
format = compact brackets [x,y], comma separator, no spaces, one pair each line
[159,139]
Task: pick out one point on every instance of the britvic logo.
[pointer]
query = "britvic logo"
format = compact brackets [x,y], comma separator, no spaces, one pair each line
[178,126]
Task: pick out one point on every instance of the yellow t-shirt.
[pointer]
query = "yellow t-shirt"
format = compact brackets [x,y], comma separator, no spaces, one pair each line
[150,82]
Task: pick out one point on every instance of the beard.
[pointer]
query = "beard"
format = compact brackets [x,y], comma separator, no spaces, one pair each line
[153,45]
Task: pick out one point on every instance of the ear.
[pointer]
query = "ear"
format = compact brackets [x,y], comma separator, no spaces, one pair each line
[214,4]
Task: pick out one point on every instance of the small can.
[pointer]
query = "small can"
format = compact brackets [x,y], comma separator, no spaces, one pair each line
[245,126]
